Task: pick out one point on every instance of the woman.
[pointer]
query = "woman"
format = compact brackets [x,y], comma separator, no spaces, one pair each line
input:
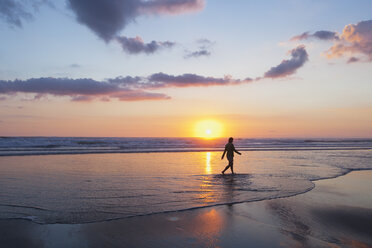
[230,149]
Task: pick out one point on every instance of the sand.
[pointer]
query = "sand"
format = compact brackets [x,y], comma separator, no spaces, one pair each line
[336,213]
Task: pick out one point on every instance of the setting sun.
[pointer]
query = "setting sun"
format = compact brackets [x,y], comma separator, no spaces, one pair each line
[208,129]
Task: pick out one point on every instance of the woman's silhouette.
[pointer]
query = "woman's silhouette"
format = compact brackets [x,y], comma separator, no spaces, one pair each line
[230,149]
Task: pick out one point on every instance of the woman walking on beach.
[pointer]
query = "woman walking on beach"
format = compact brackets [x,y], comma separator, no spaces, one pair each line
[230,149]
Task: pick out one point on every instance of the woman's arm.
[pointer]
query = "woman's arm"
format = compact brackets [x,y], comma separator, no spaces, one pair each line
[223,155]
[237,151]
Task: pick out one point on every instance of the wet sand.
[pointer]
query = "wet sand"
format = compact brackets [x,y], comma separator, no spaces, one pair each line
[336,213]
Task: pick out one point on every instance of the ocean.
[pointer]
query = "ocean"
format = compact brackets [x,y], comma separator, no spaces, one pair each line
[15,146]
[82,180]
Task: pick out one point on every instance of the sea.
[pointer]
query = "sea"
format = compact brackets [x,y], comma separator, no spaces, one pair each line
[75,180]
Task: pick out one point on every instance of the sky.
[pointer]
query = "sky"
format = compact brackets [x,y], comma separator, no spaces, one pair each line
[164,68]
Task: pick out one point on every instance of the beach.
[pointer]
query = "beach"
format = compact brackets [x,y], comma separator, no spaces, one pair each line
[336,213]
[185,123]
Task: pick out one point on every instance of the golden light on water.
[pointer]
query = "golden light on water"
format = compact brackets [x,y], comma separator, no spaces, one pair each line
[208,129]
[208,168]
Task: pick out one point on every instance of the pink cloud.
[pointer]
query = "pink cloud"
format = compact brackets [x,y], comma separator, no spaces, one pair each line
[355,39]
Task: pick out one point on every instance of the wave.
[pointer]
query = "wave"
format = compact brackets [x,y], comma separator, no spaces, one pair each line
[18,146]
[106,151]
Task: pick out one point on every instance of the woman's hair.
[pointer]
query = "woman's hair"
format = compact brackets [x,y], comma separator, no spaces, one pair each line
[231,139]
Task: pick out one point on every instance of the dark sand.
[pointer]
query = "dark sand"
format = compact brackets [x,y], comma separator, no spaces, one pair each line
[336,213]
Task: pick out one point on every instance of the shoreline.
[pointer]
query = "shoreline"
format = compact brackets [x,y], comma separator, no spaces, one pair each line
[279,217]
[200,207]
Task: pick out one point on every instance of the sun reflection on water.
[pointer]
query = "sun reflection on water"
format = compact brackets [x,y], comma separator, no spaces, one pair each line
[208,167]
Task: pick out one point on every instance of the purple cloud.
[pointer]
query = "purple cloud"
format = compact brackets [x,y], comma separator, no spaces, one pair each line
[326,35]
[122,88]
[106,18]
[136,45]
[58,86]
[78,89]
[352,60]
[162,80]
[138,95]
[128,80]
[136,88]
[288,67]
[321,35]
[171,7]
[197,54]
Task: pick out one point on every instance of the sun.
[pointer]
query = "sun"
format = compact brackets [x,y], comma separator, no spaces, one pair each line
[208,129]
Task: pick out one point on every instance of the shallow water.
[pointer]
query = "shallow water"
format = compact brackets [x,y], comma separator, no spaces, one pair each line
[96,187]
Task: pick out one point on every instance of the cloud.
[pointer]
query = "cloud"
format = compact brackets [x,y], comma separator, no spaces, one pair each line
[289,67]
[129,88]
[326,35]
[162,80]
[106,18]
[136,45]
[321,35]
[171,7]
[196,54]
[74,65]
[204,46]
[205,42]
[122,88]
[82,98]
[58,86]
[78,89]
[140,96]
[352,60]
[14,12]
[128,80]
[355,39]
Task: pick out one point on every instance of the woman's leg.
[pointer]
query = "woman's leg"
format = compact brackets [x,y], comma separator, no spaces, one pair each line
[223,172]
[231,164]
